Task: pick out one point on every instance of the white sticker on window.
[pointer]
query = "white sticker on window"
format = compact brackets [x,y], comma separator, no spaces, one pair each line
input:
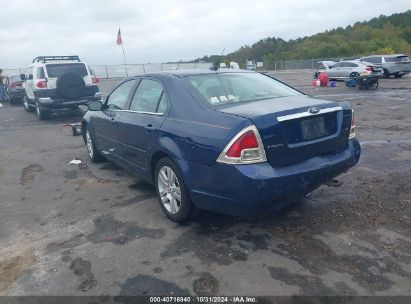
[223,98]
[214,100]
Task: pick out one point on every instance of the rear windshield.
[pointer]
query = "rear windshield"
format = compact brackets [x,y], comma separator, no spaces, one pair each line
[397,59]
[15,78]
[56,70]
[219,89]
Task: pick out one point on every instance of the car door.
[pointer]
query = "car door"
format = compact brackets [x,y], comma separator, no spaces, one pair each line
[335,70]
[139,125]
[28,83]
[105,122]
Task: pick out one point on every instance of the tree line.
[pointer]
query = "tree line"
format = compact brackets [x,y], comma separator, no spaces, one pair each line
[380,35]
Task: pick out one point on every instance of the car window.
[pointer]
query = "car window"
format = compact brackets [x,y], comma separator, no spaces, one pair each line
[40,73]
[349,65]
[225,88]
[397,59]
[56,70]
[374,60]
[149,97]
[338,65]
[118,98]
[29,75]
[14,78]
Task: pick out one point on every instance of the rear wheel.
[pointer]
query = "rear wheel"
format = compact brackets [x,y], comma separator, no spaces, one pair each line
[92,151]
[354,75]
[26,105]
[171,191]
[398,75]
[41,114]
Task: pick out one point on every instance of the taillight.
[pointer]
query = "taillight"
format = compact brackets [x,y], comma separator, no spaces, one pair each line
[95,80]
[41,84]
[352,130]
[369,69]
[245,148]
[15,84]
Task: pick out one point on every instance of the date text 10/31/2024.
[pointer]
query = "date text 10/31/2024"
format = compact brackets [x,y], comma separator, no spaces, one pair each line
[202,299]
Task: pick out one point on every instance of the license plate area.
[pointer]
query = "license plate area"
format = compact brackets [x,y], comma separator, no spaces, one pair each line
[313,128]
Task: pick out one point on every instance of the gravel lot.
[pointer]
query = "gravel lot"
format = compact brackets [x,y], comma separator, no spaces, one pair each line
[93,229]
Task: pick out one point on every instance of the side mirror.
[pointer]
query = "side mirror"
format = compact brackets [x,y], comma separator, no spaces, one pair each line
[95,105]
[22,77]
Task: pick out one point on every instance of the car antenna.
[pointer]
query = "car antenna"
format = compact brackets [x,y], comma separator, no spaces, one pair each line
[215,67]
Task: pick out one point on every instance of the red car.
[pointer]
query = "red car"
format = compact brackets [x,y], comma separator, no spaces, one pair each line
[14,88]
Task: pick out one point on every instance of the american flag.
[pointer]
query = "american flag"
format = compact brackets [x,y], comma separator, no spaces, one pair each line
[119,39]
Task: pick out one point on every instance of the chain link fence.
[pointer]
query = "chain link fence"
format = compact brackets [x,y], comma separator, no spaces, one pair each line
[120,71]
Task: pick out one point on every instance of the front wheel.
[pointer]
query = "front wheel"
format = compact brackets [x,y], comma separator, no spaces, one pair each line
[26,104]
[171,191]
[92,151]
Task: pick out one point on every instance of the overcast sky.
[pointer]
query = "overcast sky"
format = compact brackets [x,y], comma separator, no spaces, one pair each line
[160,31]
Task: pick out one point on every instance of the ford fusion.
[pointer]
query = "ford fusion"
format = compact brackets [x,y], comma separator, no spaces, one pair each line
[234,142]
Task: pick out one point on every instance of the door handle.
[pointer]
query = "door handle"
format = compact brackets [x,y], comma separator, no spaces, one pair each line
[114,121]
[150,128]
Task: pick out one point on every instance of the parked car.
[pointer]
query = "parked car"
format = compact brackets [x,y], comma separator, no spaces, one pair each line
[323,66]
[393,65]
[14,88]
[55,82]
[231,141]
[349,69]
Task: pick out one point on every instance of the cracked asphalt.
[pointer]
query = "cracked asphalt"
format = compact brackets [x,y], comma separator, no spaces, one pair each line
[93,229]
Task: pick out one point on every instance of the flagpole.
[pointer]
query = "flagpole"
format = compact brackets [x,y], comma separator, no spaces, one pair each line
[120,41]
[124,58]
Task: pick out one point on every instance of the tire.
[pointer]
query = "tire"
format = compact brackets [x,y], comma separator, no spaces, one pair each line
[398,75]
[71,85]
[41,114]
[7,95]
[92,151]
[386,74]
[354,75]
[26,105]
[168,182]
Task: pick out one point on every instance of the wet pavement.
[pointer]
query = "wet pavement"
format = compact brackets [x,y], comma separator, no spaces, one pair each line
[93,229]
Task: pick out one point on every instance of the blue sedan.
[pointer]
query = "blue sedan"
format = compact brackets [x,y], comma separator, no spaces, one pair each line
[232,141]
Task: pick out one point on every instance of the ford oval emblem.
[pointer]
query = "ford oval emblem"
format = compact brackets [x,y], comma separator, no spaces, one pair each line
[313,110]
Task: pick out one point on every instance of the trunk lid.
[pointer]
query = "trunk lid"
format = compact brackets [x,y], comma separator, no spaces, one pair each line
[296,128]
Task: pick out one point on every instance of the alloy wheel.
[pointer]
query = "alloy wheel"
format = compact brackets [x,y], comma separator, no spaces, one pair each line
[26,104]
[89,143]
[169,189]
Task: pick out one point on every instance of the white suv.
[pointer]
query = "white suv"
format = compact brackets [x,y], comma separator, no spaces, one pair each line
[55,82]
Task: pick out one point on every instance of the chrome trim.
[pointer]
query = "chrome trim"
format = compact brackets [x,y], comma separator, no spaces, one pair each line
[199,123]
[45,100]
[306,114]
[140,112]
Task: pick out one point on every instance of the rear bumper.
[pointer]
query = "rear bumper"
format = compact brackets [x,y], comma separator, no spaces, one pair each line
[48,103]
[257,188]
[16,93]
